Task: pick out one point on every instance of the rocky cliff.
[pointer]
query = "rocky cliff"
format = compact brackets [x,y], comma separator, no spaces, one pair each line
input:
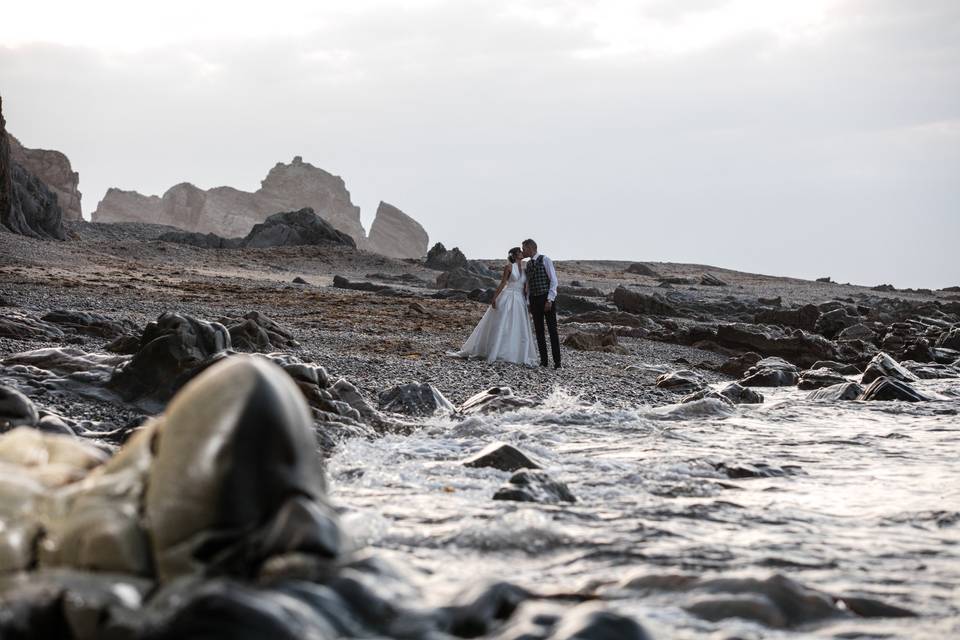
[27,206]
[53,169]
[230,212]
[395,234]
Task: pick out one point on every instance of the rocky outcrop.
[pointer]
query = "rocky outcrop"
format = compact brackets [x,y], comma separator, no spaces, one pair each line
[443,259]
[27,206]
[230,212]
[397,235]
[53,169]
[293,228]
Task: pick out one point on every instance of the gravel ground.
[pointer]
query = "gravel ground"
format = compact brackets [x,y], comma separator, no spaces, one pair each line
[375,341]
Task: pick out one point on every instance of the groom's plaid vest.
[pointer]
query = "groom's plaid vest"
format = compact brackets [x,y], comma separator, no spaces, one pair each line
[538,282]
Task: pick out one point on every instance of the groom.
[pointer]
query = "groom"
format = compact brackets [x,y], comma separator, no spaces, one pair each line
[541,294]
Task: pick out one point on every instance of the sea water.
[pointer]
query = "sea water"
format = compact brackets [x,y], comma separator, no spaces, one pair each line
[868,504]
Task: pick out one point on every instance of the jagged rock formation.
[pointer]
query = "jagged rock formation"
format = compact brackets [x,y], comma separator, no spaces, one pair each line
[27,206]
[230,212]
[53,169]
[397,235]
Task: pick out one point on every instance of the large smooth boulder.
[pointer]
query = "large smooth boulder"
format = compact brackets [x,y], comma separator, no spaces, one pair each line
[642,303]
[237,478]
[293,228]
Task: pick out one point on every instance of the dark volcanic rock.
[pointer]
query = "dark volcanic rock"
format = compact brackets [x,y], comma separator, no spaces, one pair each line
[892,389]
[342,283]
[798,347]
[839,367]
[466,279]
[495,399]
[884,366]
[20,326]
[641,303]
[173,348]
[858,331]
[528,485]
[711,280]
[738,365]
[683,380]
[819,378]
[641,269]
[733,393]
[950,339]
[414,399]
[27,206]
[738,394]
[87,323]
[445,260]
[841,391]
[831,323]
[292,228]
[256,333]
[202,240]
[771,372]
[930,370]
[16,409]
[502,456]
[567,303]
[738,470]
[804,317]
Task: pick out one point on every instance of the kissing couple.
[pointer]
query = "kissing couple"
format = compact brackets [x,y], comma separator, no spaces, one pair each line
[528,286]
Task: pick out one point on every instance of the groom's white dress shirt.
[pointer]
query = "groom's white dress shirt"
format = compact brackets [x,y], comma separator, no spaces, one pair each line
[552,274]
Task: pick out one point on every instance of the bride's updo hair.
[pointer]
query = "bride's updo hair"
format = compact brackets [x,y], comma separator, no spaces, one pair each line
[514,254]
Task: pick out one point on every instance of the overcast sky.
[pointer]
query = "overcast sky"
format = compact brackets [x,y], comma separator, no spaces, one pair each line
[807,138]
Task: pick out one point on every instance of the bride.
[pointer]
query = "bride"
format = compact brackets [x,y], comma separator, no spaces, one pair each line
[504,332]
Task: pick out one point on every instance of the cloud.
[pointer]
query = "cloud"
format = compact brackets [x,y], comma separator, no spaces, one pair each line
[808,145]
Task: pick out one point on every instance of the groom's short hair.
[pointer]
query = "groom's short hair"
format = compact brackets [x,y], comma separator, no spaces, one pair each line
[530,242]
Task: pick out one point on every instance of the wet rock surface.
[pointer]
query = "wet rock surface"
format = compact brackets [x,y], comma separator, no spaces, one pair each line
[502,456]
[414,399]
[837,392]
[528,485]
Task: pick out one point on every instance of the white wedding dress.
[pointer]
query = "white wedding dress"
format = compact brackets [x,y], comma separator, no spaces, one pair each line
[505,333]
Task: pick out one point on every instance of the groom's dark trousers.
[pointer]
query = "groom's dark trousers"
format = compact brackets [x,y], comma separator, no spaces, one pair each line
[539,315]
